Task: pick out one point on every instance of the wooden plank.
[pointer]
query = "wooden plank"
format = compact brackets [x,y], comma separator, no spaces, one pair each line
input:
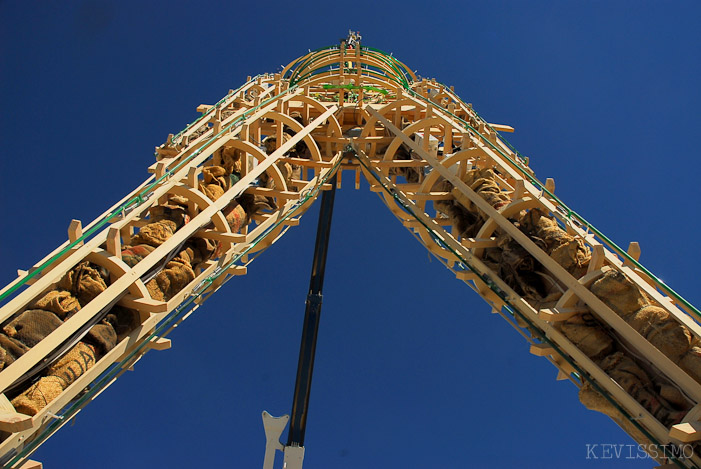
[31,464]
[541,350]
[75,230]
[557,315]
[144,305]
[686,432]
[160,344]
[219,236]
[479,242]
[502,128]
[12,422]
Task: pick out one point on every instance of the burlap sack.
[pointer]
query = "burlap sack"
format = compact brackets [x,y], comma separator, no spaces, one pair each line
[517,268]
[230,159]
[212,191]
[131,255]
[465,223]
[85,281]
[216,175]
[568,251]
[102,336]
[154,234]
[10,350]
[255,204]
[662,330]
[483,182]
[172,212]
[691,363]
[584,332]
[59,302]
[235,216]
[58,377]
[270,142]
[619,292]
[168,282]
[592,400]
[123,320]
[622,369]
[198,250]
[32,326]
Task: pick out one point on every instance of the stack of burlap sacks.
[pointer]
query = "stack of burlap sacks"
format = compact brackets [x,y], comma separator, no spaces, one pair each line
[85,281]
[76,289]
[528,278]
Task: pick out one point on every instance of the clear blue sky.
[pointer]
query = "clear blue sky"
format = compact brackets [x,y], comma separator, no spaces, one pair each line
[412,370]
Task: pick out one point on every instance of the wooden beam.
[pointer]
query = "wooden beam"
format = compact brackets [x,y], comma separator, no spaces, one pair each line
[160,343]
[686,432]
[12,422]
[541,350]
[502,128]
[75,230]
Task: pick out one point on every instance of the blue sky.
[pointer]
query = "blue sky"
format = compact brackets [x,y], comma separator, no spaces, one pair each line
[412,370]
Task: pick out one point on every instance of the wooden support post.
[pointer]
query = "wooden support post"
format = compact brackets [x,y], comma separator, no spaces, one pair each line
[634,252]
[550,185]
[160,169]
[193,176]
[466,143]
[114,243]
[519,189]
[466,275]
[75,230]
[598,256]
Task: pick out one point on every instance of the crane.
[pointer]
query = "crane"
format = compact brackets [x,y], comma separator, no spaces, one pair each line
[231,183]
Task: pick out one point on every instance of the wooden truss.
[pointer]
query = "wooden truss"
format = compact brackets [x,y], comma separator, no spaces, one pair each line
[353,109]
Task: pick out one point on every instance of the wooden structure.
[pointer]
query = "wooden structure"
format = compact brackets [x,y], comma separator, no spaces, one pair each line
[356,110]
